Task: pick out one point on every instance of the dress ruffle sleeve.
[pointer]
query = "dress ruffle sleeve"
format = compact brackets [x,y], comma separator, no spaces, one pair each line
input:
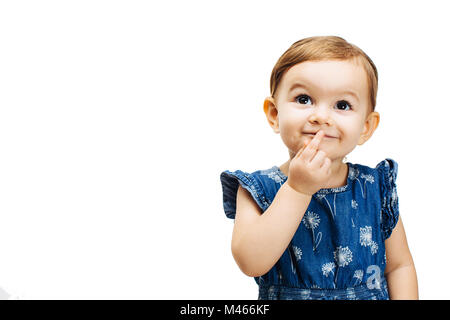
[230,183]
[388,169]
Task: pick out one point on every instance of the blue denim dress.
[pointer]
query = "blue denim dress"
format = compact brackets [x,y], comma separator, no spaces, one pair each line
[338,250]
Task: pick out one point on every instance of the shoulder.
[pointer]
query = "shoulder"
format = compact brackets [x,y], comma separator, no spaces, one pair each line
[260,180]
[261,184]
[386,170]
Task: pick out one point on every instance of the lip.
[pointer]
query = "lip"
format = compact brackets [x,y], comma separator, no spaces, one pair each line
[312,134]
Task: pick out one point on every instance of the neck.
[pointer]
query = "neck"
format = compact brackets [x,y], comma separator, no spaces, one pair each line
[339,172]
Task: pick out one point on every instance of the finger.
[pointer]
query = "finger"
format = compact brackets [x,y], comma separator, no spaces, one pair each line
[299,152]
[316,140]
[319,158]
[311,148]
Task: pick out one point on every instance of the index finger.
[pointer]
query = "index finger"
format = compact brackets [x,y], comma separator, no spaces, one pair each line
[311,149]
[314,144]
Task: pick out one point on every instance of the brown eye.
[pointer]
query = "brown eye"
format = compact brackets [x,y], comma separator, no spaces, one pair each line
[343,105]
[303,99]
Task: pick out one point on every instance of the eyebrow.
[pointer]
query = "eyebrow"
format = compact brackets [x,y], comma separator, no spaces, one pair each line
[299,85]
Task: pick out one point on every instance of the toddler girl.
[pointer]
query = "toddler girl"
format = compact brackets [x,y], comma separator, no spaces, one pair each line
[318,227]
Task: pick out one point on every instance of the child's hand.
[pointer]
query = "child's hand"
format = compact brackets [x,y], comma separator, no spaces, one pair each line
[310,169]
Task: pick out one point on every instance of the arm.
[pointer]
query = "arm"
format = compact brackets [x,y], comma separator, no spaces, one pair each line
[400,272]
[259,239]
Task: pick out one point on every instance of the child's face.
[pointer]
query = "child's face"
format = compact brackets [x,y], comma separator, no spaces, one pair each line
[331,95]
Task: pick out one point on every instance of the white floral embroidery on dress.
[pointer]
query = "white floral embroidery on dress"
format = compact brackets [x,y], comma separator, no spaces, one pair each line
[328,268]
[311,221]
[352,173]
[365,239]
[368,177]
[358,275]
[274,176]
[365,236]
[343,256]
[297,252]
[373,248]
[293,266]
[322,196]
[354,205]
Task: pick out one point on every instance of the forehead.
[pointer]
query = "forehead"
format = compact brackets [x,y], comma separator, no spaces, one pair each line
[328,76]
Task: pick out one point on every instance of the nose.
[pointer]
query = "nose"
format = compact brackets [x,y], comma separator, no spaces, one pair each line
[320,115]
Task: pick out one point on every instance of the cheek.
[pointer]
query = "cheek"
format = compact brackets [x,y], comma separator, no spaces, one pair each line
[290,129]
[351,129]
[290,123]
[292,120]
[351,135]
[289,138]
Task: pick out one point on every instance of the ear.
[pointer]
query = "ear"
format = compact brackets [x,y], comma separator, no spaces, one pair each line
[372,121]
[271,111]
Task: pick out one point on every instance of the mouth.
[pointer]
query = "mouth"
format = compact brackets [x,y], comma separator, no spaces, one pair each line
[312,134]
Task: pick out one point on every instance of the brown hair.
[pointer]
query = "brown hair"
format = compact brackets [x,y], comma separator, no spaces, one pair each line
[324,48]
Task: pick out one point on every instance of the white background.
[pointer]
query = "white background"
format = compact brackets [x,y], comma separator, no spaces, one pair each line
[117,118]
